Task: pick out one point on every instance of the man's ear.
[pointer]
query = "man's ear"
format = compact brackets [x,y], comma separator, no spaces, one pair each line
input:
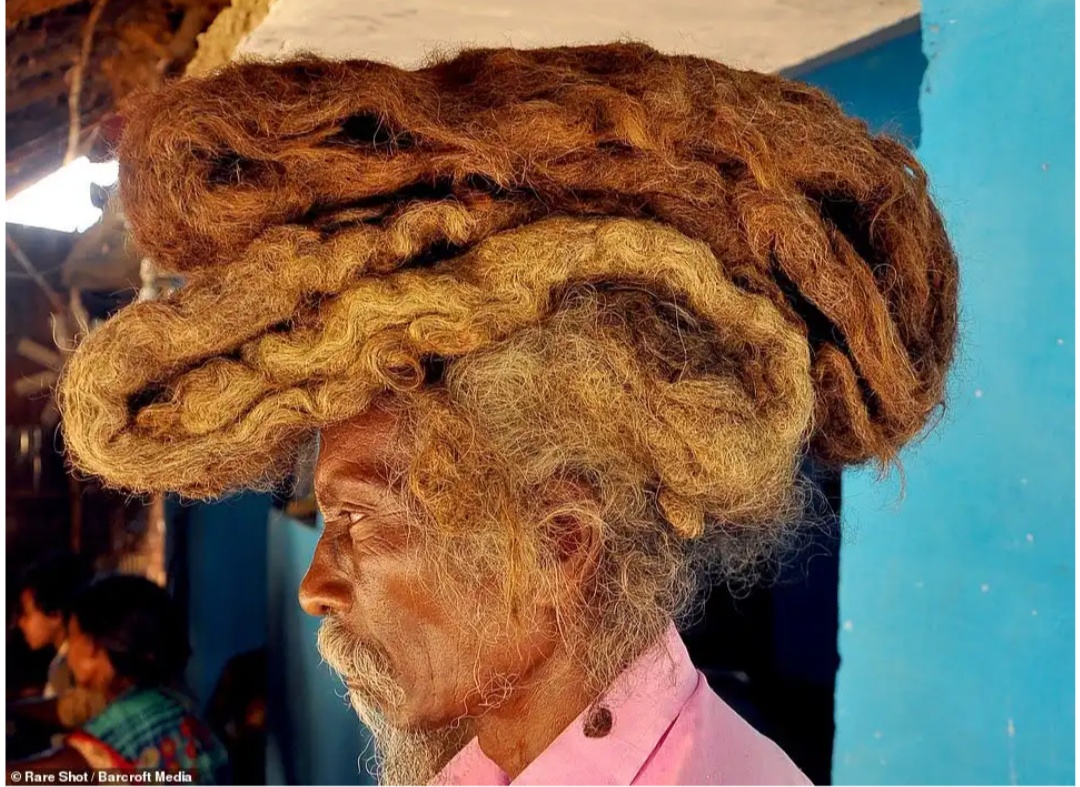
[573,527]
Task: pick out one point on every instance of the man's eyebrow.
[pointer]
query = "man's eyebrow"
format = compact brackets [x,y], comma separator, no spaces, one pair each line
[339,492]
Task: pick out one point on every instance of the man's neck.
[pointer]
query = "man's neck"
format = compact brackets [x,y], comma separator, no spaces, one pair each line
[543,705]
[59,638]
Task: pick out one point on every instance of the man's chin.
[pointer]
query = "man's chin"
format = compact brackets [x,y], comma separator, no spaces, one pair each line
[374,711]
[407,751]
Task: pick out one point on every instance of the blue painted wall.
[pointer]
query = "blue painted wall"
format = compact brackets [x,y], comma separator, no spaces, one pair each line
[244,563]
[957,601]
[880,85]
[315,738]
[226,583]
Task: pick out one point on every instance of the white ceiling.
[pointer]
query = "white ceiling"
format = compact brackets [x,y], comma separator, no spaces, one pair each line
[766,35]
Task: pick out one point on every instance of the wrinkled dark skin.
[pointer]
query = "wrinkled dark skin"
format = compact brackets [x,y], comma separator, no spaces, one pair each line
[370,569]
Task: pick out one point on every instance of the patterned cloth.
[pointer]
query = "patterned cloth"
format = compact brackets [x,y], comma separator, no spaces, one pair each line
[152,730]
[74,705]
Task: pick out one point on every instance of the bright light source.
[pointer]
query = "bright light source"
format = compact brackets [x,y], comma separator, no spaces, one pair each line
[61,201]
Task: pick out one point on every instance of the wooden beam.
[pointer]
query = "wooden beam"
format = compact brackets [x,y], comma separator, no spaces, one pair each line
[38,60]
[18,10]
[135,41]
[35,383]
[39,88]
[75,88]
[40,354]
[30,160]
[26,43]
[54,85]
[185,39]
[38,279]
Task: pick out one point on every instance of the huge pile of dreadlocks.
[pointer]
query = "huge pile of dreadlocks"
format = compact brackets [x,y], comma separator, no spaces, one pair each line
[653,262]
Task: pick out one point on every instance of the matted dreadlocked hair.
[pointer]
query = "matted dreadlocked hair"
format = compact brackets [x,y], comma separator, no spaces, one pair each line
[662,275]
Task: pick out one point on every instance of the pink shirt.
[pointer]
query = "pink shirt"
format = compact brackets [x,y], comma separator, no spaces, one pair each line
[668,727]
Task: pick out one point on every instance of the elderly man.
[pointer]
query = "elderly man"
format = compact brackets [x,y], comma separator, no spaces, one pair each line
[566,321]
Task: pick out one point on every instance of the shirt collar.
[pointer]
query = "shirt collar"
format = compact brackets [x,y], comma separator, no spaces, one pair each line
[644,701]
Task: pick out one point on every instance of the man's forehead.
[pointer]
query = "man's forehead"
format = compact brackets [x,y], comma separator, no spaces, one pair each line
[373,431]
[365,449]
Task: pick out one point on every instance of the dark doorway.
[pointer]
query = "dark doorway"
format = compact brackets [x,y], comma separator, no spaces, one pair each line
[772,653]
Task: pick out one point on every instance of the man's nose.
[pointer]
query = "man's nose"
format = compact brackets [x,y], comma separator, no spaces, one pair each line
[324,588]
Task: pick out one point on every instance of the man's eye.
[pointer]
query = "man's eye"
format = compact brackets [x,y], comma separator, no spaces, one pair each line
[355,517]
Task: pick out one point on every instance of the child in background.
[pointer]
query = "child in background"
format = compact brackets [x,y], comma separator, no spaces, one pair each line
[126,640]
[46,593]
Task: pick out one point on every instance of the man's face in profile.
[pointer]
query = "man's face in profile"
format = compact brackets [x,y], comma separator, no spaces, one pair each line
[419,645]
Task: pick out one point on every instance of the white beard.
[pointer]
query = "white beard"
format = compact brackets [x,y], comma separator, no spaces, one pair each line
[401,756]
[407,756]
